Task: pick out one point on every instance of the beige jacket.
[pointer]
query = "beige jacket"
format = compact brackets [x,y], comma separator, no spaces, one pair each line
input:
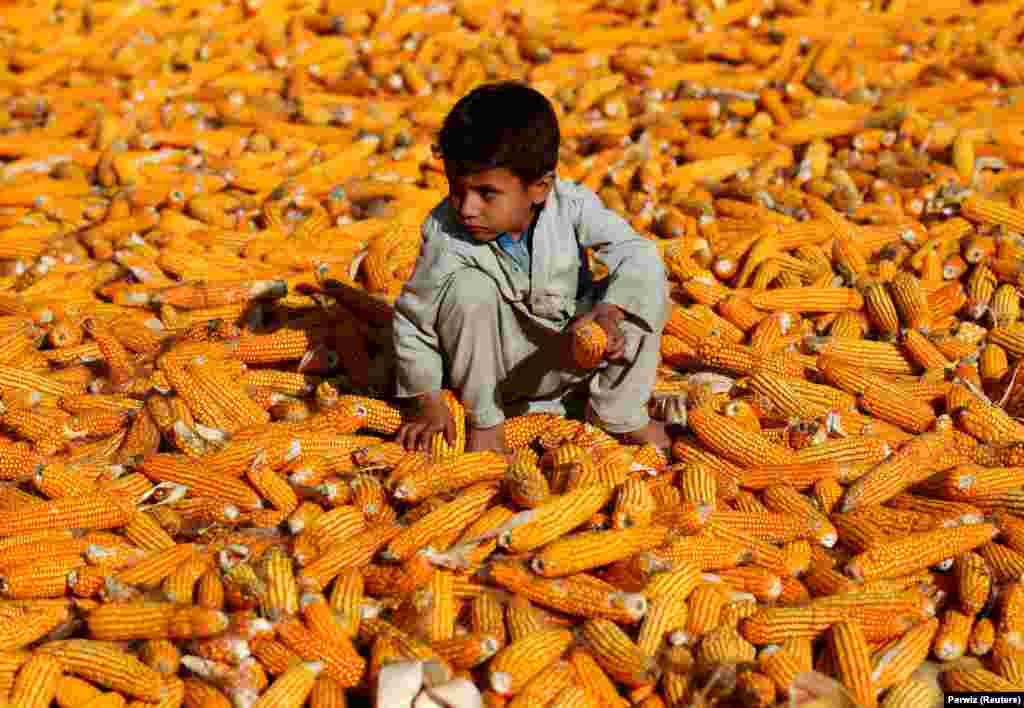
[573,218]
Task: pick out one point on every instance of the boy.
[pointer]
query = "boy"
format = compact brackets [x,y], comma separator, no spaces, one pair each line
[501,283]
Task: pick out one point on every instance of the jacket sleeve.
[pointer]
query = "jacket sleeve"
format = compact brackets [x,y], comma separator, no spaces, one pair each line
[419,364]
[637,281]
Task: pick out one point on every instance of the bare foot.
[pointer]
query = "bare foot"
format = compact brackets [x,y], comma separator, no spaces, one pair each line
[487,439]
[653,433]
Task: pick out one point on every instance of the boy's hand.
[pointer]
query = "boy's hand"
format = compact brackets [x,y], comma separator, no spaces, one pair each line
[608,317]
[427,415]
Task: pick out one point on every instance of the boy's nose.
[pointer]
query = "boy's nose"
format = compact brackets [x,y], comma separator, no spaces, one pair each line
[468,207]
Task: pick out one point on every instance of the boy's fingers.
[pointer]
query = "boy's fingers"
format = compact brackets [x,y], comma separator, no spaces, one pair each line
[401,436]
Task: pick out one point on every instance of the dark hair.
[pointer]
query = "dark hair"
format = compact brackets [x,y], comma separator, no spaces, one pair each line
[503,124]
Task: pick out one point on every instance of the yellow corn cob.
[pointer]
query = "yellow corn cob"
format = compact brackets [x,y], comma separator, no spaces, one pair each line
[583,551]
[704,551]
[894,662]
[354,552]
[1011,603]
[600,689]
[443,606]
[106,665]
[560,514]
[23,628]
[724,645]
[786,499]
[523,619]
[456,473]
[634,505]
[212,382]
[1004,563]
[467,651]
[912,463]
[152,571]
[209,592]
[983,210]
[967,482]
[665,614]
[513,667]
[178,586]
[440,449]
[448,518]
[729,440]
[973,582]
[327,693]
[520,431]
[808,299]
[574,595]
[912,692]
[918,551]
[117,622]
[339,657]
[976,680]
[911,301]
[924,353]
[545,685]
[880,309]
[165,467]
[36,684]
[954,631]
[292,687]
[280,598]
[779,664]
[798,475]
[527,485]
[347,598]
[704,610]
[853,662]
[618,655]
[759,582]
[1007,659]
[272,487]
[161,655]
[588,345]
[772,527]
[774,625]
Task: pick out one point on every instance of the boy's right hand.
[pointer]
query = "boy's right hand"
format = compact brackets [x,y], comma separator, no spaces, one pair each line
[427,415]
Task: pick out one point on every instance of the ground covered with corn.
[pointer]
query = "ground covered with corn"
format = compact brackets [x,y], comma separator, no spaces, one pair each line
[207,209]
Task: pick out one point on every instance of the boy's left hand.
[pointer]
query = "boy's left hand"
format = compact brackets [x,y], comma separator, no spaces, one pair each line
[608,317]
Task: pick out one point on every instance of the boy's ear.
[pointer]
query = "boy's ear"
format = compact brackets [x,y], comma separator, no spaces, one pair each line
[540,188]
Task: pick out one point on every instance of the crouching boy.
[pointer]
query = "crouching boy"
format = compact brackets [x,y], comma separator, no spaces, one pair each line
[502,282]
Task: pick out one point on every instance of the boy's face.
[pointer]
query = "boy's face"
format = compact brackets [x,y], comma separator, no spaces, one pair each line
[495,201]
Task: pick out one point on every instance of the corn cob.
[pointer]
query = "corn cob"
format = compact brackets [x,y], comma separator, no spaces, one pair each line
[450,475]
[918,551]
[339,657]
[733,443]
[154,621]
[36,684]
[446,519]
[560,514]
[106,665]
[618,654]
[352,553]
[580,552]
[545,685]
[513,667]
[574,595]
[588,345]
[292,687]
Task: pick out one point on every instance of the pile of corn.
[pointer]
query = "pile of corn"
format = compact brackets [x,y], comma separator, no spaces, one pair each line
[207,209]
